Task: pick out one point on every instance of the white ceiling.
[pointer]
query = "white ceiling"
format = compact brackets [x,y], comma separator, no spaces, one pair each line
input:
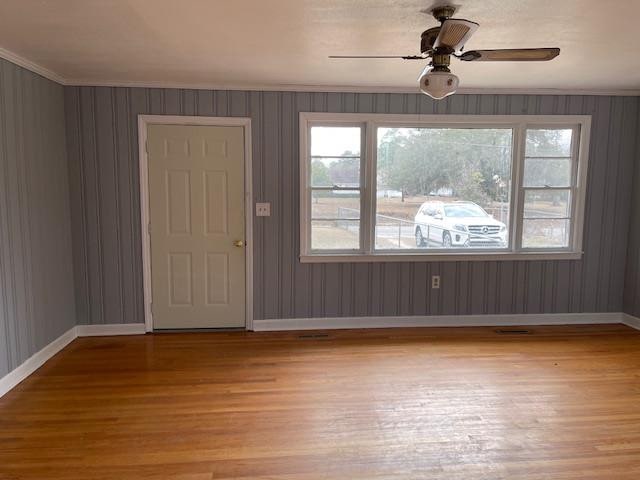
[280,43]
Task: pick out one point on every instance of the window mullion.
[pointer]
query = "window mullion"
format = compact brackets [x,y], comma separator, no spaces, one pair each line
[575,147]
[305,187]
[517,192]
[369,196]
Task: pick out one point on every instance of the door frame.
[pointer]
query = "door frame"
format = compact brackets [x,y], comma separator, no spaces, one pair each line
[143,122]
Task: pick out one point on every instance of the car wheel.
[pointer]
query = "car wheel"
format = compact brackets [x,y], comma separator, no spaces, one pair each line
[446,240]
[420,240]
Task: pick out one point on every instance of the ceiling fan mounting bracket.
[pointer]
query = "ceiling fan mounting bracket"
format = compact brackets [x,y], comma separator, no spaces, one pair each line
[443,12]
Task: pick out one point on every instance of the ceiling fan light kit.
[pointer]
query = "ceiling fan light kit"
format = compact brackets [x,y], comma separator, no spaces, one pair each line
[438,84]
[439,44]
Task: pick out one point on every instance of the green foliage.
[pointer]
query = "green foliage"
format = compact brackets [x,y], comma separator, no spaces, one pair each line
[320,174]
[545,165]
[474,163]
[345,171]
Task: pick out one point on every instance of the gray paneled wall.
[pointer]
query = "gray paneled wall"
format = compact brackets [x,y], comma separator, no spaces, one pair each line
[102,145]
[36,278]
[632,281]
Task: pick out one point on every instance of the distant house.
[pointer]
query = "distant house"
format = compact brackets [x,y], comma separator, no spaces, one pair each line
[389,193]
[442,192]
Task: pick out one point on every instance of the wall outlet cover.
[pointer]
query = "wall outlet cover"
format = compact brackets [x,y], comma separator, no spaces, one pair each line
[263,209]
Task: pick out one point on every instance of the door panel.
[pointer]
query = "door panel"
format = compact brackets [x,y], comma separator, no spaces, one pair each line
[196,203]
[178,188]
[180,279]
[215,202]
[217,278]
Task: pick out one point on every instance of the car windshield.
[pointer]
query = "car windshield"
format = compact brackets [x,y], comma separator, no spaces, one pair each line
[459,211]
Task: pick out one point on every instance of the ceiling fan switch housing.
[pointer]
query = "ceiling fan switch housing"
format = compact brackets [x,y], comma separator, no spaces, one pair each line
[441,61]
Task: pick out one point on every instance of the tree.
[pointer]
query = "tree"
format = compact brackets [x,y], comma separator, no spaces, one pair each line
[419,161]
[320,174]
[345,171]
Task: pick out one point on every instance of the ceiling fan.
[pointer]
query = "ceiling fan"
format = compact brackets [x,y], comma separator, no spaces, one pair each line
[440,43]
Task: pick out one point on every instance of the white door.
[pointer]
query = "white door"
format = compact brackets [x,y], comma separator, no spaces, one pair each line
[196,207]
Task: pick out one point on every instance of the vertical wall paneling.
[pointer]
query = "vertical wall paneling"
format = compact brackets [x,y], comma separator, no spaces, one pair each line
[36,278]
[632,277]
[102,144]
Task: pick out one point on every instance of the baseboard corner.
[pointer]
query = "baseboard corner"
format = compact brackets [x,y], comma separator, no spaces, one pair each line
[35,361]
[631,321]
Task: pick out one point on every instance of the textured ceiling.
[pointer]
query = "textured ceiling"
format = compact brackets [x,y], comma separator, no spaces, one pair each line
[275,43]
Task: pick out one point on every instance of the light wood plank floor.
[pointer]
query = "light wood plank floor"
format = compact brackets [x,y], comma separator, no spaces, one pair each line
[463,403]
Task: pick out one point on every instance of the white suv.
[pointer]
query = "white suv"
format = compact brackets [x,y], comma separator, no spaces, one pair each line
[458,224]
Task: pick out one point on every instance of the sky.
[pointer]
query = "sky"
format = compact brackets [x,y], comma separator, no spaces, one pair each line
[334,140]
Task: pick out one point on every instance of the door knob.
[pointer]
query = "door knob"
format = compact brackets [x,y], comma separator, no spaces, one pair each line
[238,243]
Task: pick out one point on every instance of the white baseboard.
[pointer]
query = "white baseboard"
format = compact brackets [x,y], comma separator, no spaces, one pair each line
[35,361]
[436,321]
[631,321]
[110,329]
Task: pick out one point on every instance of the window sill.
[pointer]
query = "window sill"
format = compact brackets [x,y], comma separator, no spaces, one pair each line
[437,257]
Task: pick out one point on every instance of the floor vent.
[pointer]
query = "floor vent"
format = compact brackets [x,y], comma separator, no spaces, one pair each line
[512,331]
[313,335]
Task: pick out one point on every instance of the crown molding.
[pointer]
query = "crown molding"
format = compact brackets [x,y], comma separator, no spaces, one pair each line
[31,66]
[79,82]
[347,88]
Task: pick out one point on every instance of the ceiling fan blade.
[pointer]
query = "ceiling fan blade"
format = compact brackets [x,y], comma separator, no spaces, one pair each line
[511,55]
[404,57]
[454,33]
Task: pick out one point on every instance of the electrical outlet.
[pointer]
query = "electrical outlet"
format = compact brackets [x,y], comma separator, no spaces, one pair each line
[263,209]
[435,281]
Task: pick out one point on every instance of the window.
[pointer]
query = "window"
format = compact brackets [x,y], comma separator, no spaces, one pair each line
[402,187]
[462,177]
[335,188]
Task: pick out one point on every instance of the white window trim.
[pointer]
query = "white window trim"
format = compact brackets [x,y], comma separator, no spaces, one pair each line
[370,122]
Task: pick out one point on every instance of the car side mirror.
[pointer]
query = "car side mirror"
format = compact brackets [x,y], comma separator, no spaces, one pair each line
[438,216]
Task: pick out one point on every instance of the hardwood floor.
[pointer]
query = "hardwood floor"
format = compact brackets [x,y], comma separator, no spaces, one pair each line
[463,403]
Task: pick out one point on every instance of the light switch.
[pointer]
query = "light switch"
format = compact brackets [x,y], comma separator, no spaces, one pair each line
[263,209]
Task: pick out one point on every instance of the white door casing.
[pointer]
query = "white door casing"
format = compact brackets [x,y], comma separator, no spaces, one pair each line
[197,211]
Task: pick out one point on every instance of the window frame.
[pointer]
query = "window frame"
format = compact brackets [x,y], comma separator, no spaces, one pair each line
[581,125]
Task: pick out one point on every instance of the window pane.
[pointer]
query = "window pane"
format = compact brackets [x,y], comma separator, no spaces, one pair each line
[334,204]
[549,142]
[335,141]
[335,235]
[547,172]
[332,171]
[443,187]
[547,204]
[545,233]
[392,232]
